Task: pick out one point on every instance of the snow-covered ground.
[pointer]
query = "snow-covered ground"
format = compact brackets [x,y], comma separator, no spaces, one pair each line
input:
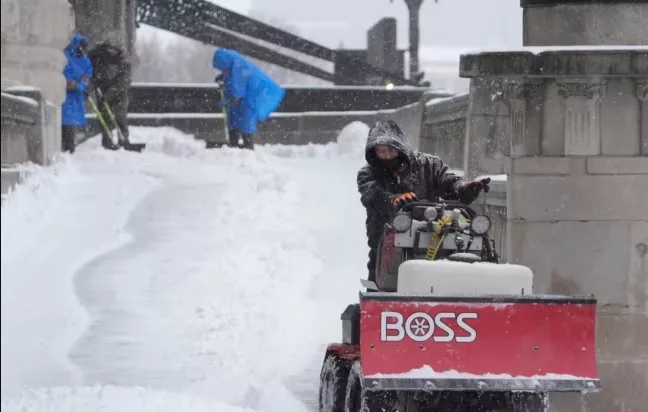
[179,279]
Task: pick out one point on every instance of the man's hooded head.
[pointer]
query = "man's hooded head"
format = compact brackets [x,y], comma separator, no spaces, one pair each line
[387,147]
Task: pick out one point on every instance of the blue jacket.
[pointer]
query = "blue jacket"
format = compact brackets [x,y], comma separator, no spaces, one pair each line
[259,94]
[73,110]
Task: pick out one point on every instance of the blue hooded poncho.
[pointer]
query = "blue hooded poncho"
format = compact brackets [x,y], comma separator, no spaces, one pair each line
[73,110]
[244,80]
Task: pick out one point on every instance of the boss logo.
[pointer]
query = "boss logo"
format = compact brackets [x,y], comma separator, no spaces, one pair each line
[421,326]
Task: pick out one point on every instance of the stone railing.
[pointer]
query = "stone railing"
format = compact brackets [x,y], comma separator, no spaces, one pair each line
[493,205]
[470,130]
[306,115]
[444,128]
[29,132]
[282,128]
[34,34]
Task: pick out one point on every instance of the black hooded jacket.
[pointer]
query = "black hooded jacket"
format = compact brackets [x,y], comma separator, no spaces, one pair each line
[111,70]
[423,174]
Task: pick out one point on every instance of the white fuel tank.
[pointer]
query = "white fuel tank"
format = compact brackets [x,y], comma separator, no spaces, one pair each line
[448,278]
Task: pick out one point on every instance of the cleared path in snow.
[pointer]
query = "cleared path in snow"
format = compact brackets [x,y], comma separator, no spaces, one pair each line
[212,279]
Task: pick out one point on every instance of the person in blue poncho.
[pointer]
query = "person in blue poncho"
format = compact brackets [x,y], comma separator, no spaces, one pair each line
[77,72]
[250,95]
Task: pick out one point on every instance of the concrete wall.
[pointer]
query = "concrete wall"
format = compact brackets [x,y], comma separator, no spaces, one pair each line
[30,133]
[587,23]
[577,196]
[34,34]
[104,20]
[469,131]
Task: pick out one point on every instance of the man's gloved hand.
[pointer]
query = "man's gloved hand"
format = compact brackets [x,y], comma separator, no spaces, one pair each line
[473,188]
[402,199]
[219,78]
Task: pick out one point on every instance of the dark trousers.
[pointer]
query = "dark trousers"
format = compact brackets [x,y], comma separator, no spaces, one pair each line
[68,138]
[371,265]
[235,135]
[119,109]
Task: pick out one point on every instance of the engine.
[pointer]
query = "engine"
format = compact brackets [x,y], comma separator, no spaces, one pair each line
[446,246]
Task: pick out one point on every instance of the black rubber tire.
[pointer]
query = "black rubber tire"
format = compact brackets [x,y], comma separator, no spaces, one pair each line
[333,382]
[359,400]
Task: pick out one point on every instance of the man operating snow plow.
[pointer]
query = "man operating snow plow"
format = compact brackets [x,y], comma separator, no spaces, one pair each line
[450,330]
[444,326]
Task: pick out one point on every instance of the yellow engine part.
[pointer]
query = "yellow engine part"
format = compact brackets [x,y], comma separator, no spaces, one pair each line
[436,239]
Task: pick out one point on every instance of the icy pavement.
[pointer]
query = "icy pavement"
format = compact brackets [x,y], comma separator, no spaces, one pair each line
[179,279]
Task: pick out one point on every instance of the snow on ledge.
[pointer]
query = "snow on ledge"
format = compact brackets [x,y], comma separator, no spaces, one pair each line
[440,100]
[426,372]
[23,99]
[542,49]
[494,178]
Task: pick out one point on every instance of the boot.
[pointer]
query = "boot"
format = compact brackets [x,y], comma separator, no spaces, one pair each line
[108,144]
[248,142]
[234,136]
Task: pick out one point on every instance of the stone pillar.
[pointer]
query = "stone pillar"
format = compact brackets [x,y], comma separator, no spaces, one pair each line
[585,22]
[486,143]
[34,34]
[107,20]
[382,48]
[414,7]
[578,197]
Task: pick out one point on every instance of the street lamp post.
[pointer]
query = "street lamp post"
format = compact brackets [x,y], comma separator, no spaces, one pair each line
[414,7]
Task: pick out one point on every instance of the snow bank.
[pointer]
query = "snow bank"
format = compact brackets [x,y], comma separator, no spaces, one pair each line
[214,278]
[307,151]
[110,399]
[350,144]
[352,140]
[40,257]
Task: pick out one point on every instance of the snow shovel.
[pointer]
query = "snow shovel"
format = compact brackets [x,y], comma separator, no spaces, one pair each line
[99,116]
[123,141]
[213,144]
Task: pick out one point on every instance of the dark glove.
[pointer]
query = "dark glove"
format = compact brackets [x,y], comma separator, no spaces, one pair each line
[471,189]
[403,199]
[219,78]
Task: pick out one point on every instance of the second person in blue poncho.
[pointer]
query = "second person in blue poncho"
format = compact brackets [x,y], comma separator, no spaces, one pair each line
[250,95]
[77,72]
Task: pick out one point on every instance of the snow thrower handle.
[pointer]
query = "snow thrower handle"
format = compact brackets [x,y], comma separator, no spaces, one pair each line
[448,205]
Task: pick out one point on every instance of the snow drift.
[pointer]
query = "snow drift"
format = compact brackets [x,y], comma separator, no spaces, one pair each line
[179,278]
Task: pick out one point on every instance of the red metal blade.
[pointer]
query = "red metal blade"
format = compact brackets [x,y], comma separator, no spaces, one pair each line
[491,343]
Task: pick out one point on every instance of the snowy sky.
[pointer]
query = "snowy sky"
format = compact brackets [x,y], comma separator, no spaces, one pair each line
[448,23]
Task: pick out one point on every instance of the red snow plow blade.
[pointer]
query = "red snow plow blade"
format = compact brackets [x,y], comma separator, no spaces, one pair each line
[502,343]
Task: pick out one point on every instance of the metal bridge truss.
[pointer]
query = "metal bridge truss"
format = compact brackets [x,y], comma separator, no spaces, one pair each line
[208,23]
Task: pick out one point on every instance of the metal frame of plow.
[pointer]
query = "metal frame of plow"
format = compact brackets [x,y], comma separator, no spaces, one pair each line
[483,385]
